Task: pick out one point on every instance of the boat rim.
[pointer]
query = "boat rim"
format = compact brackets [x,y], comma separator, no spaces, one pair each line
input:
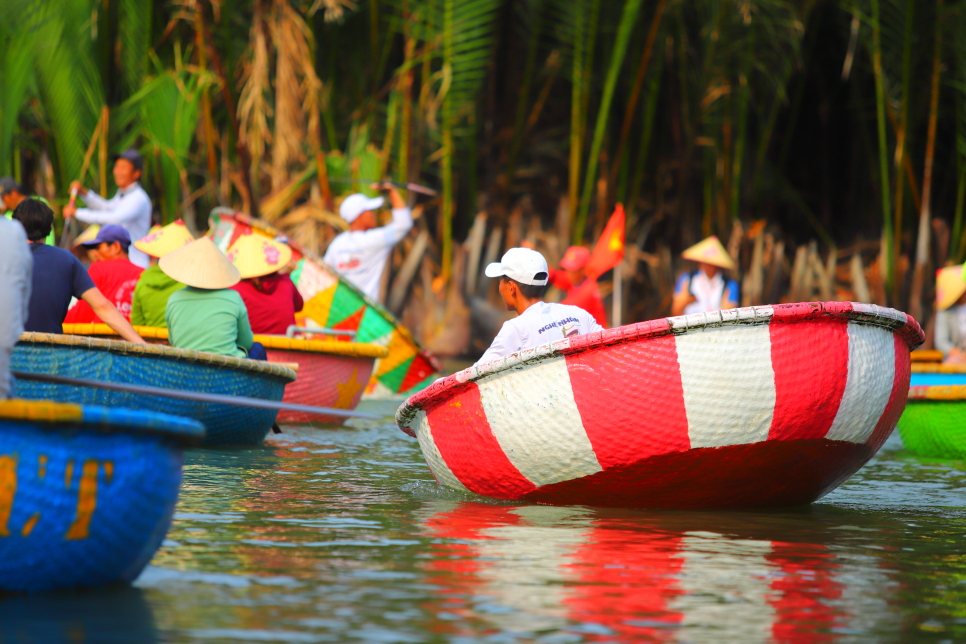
[186,431]
[898,322]
[937,367]
[937,392]
[259,367]
[278,342]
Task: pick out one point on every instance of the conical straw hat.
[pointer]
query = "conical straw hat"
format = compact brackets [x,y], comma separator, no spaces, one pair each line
[200,264]
[89,234]
[710,251]
[257,255]
[161,241]
[950,286]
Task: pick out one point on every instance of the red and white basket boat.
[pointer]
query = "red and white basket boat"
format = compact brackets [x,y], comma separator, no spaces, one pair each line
[760,407]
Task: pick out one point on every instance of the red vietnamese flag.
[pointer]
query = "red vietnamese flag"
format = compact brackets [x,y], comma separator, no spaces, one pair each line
[609,251]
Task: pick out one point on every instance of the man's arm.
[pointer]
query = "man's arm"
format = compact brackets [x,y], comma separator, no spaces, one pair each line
[110,315]
[124,211]
[392,233]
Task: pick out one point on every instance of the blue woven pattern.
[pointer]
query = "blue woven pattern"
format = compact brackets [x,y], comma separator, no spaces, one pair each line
[81,507]
[225,424]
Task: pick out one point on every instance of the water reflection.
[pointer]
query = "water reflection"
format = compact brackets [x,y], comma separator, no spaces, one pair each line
[78,618]
[657,578]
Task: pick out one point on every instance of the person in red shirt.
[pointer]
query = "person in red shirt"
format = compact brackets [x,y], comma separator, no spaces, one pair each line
[269,295]
[581,290]
[112,272]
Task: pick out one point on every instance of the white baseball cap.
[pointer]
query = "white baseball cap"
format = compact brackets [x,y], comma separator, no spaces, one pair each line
[521,265]
[354,205]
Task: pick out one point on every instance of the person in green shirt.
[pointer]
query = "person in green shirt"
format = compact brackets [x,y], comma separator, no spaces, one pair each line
[154,287]
[207,315]
[11,194]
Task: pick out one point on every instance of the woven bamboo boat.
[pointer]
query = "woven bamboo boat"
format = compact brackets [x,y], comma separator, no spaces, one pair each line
[158,366]
[332,302]
[760,407]
[332,373]
[86,493]
[934,422]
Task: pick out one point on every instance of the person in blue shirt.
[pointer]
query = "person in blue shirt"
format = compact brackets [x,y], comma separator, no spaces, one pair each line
[58,276]
[706,289]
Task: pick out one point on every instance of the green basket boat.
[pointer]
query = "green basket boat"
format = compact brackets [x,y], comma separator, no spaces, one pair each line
[934,422]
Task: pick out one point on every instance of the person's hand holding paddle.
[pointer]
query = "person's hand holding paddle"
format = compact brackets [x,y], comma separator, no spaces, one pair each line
[395,199]
[75,189]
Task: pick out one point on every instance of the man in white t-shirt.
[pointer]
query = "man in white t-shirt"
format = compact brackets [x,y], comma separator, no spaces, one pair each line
[523,277]
[360,253]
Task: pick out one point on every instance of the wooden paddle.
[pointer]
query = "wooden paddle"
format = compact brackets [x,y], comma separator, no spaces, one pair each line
[224,399]
[73,193]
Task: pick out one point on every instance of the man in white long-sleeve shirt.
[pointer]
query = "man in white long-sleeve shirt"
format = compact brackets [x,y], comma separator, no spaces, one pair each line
[130,208]
[523,277]
[360,253]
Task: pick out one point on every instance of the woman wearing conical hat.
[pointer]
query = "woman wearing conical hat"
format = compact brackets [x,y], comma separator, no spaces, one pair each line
[154,287]
[206,315]
[706,289]
[270,296]
[951,312]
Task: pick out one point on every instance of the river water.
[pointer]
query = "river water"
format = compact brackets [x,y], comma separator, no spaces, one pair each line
[341,535]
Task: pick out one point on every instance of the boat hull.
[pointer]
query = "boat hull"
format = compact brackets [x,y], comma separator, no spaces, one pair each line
[86,498]
[324,381]
[114,361]
[934,422]
[751,408]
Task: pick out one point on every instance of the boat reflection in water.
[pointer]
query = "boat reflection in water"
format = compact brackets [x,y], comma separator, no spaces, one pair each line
[120,614]
[651,577]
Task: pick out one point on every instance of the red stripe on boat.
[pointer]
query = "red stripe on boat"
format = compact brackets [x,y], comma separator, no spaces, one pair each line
[608,406]
[809,379]
[897,399]
[770,474]
[464,439]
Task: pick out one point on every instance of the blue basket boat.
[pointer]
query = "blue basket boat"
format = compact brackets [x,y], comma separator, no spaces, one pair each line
[86,493]
[157,366]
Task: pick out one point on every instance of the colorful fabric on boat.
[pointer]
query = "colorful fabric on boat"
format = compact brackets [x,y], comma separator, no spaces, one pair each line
[710,294]
[332,302]
[272,304]
[16,270]
[116,279]
[361,256]
[541,323]
[129,207]
[58,276]
[151,297]
[215,321]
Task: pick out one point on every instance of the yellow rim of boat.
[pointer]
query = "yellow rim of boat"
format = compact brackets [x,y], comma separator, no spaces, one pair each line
[933,367]
[937,392]
[336,347]
[281,343]
[99,328]
[926,355]
[162,351]
[40,410]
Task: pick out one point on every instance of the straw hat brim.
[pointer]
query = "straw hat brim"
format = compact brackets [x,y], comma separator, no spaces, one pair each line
[162,241]
[200,264]
[710,251]
[256,256]
[950,286]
